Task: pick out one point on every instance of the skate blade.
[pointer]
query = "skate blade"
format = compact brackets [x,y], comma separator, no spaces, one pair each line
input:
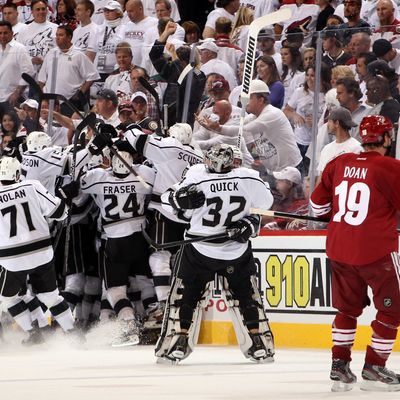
[266,360]
[166,361]
[377,386]
[132,342]
[339,386]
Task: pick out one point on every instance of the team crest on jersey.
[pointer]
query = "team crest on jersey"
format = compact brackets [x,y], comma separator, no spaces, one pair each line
[387,302]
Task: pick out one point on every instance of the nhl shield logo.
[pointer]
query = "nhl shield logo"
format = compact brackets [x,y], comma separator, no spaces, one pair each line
[230,269]
[387,302]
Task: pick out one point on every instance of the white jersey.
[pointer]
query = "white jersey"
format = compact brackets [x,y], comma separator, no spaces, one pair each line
[121,200]
[24,231]
[229,197]
[170,158]
[44,165]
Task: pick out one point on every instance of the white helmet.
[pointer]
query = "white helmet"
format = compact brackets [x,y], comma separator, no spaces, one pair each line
[118,166]
[182,132]
[219,158]
[37,140]
[10,169]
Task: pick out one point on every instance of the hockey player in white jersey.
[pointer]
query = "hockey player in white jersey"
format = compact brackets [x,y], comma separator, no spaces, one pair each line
[25,246]
[218,198]
[171,156]
[121,197]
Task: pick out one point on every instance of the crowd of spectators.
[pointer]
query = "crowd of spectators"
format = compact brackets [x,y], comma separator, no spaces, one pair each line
[97,54]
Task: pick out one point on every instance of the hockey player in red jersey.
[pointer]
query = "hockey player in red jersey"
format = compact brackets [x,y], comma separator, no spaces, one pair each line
[361,195]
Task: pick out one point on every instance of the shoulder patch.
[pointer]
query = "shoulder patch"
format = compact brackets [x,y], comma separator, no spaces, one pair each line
[153,125]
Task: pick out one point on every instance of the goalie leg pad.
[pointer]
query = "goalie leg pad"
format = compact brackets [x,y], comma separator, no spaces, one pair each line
[259,346]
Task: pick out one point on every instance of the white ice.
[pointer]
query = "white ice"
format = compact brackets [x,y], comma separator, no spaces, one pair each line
[57,371]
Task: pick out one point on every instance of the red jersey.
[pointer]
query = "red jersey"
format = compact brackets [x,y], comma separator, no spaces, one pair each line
[361,194]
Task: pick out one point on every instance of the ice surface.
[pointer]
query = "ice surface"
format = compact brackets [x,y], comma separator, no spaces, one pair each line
[58,371]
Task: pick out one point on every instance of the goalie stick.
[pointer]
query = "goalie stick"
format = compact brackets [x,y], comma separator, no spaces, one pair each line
[279,214]
[162,246]
[254,29]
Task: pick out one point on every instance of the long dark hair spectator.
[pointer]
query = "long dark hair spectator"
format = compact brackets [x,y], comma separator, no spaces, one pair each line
[325,77]
[296,62]
[15,119]
[273,70]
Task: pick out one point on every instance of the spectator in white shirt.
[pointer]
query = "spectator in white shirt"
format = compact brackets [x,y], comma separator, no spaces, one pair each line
[83,12]
[14,60]
[159,8]
[10,14]
[39,37]
[225,8]
[71,63]
[133,32]
[210,63]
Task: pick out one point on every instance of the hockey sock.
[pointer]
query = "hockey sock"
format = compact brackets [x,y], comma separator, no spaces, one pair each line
[19,311]
[343,334]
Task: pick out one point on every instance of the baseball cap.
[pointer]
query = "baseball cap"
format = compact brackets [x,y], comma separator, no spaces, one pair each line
[221,85]
[266,33]
[342,114]
[108,94]
[381,47]
[113,5]
[139,95]
[258,86]
[291,174]
[125,106]
[209,45]
[31,103]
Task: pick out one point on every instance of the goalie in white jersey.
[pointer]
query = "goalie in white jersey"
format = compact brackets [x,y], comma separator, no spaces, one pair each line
[218,198]
[25,246]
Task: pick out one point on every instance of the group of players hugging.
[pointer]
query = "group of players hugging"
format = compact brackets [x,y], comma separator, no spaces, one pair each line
[75,228]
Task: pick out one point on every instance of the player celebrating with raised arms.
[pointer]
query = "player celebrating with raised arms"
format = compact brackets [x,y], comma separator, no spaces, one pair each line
[360,193]
[217,198]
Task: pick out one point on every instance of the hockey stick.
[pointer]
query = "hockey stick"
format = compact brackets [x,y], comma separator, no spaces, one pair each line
[254,29]
[279,214]
[35,87]
[162,246]
[146,84]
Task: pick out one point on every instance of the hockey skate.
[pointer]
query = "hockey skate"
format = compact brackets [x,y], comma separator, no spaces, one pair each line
[35,337]
[379,379]
[257,352]
[179,348]
[342,376]
[155,315]
[128,334]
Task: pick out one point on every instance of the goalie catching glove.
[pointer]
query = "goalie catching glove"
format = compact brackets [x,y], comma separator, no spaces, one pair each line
[241,231]
[187,198]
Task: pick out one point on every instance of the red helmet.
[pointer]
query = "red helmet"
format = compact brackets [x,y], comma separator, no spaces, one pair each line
[373,127]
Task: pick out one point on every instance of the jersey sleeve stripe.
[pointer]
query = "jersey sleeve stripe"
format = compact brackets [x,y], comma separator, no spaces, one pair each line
[48,199]
[319,209]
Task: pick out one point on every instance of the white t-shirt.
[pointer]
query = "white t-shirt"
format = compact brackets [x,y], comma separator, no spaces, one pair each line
[18,28]
[334,149]
[82,35]
[215,14]
[220,67]
[149,7]
[98,15]
[303,103]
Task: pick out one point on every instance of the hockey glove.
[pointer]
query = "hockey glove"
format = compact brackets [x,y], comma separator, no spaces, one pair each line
[101,140]
[242,230]
[187,198]
[68,191]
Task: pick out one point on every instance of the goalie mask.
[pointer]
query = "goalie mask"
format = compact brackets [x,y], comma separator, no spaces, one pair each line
[220,158]
[10,169]
[118,167]
[37,140]
[182,132]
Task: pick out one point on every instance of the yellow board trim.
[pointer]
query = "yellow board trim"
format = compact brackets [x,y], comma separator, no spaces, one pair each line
[285,335]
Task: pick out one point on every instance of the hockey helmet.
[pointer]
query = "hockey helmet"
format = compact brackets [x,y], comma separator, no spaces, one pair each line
[220,158]
[373,128]
[10,169]
[37,140]
[182,132]
[118,167]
